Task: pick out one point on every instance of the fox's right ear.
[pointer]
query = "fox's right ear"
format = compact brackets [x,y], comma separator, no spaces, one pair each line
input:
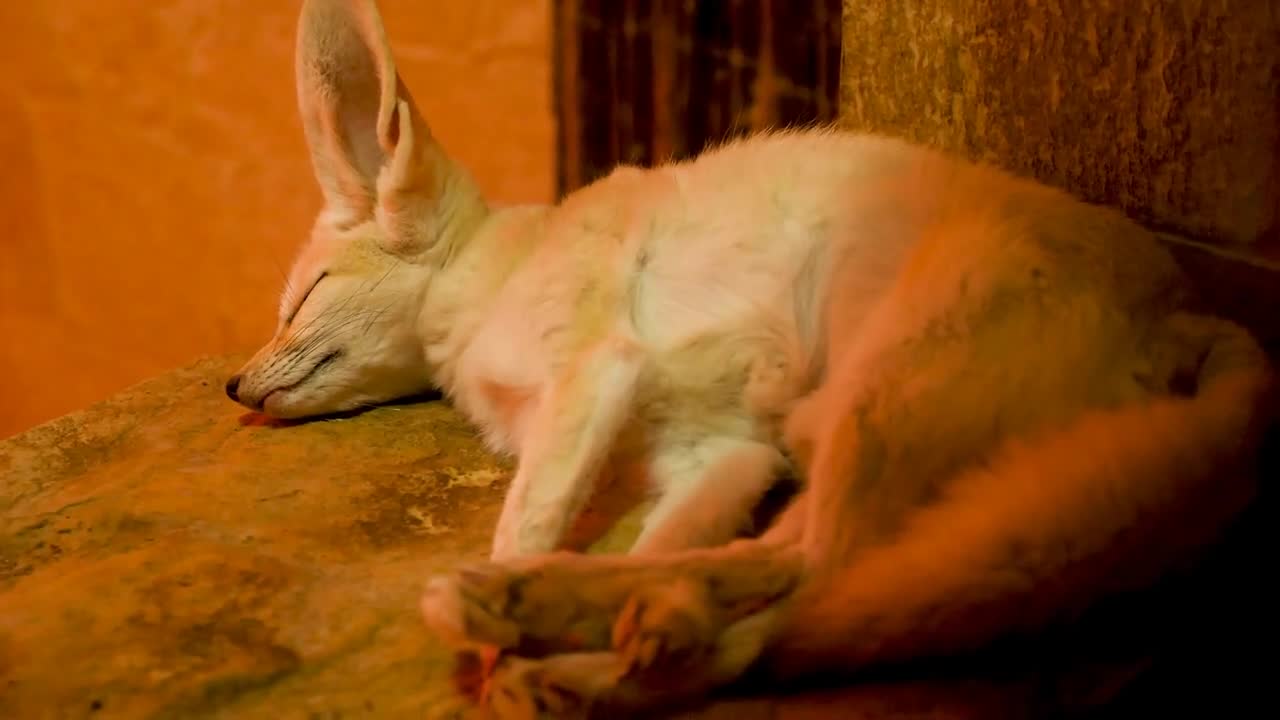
[372,153]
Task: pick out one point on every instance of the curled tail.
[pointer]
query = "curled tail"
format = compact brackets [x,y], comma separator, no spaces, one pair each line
[1108,503]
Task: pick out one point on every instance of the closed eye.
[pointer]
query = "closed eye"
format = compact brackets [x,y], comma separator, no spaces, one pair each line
[307,294]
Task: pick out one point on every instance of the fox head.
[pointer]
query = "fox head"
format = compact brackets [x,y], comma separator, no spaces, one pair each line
[394,208]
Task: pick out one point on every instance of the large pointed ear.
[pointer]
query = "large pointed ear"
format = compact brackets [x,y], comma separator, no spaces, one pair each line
[368,144]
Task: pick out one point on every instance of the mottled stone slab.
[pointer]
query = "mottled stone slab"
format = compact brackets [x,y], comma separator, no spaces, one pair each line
[163,555]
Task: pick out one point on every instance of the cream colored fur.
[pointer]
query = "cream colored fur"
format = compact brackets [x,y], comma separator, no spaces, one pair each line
[979,378]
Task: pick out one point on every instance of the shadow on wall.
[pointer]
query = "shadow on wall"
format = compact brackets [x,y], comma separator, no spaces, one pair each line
[156,184]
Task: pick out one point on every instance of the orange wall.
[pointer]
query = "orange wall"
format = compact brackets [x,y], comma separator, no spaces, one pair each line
[155,182]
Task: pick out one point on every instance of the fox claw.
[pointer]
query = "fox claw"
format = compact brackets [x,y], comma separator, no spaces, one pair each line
[666,627]
[532,690]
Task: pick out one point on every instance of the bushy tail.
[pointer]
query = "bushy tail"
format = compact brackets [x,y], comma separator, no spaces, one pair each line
[1109,503]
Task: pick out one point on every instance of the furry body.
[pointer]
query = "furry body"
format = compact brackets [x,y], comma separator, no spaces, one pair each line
[980,378]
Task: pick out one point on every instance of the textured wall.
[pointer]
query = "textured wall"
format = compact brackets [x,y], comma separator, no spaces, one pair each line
[1169,109]
[155,182]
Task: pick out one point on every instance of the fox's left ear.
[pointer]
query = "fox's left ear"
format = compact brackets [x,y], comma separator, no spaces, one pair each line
[372,152]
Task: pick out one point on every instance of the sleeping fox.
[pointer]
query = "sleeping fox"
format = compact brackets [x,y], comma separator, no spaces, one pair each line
[997,397]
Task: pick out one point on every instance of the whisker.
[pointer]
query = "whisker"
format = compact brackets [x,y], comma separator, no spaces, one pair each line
[284,275]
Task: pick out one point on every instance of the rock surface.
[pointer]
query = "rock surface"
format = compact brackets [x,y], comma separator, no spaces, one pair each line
[163,555]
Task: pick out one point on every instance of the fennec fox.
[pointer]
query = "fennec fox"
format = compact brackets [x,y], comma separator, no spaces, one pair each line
[998,400]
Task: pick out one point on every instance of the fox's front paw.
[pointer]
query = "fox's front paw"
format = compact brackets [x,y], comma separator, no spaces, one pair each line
[471,606]
[534,606]
[667,627]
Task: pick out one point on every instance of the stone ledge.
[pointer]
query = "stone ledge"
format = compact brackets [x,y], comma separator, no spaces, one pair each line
[163,555]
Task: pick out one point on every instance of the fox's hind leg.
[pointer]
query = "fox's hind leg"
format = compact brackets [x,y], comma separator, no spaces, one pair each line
[672,623]
[709,494]
[574,634]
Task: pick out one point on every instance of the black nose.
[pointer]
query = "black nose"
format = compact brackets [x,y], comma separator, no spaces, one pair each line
[233,388]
